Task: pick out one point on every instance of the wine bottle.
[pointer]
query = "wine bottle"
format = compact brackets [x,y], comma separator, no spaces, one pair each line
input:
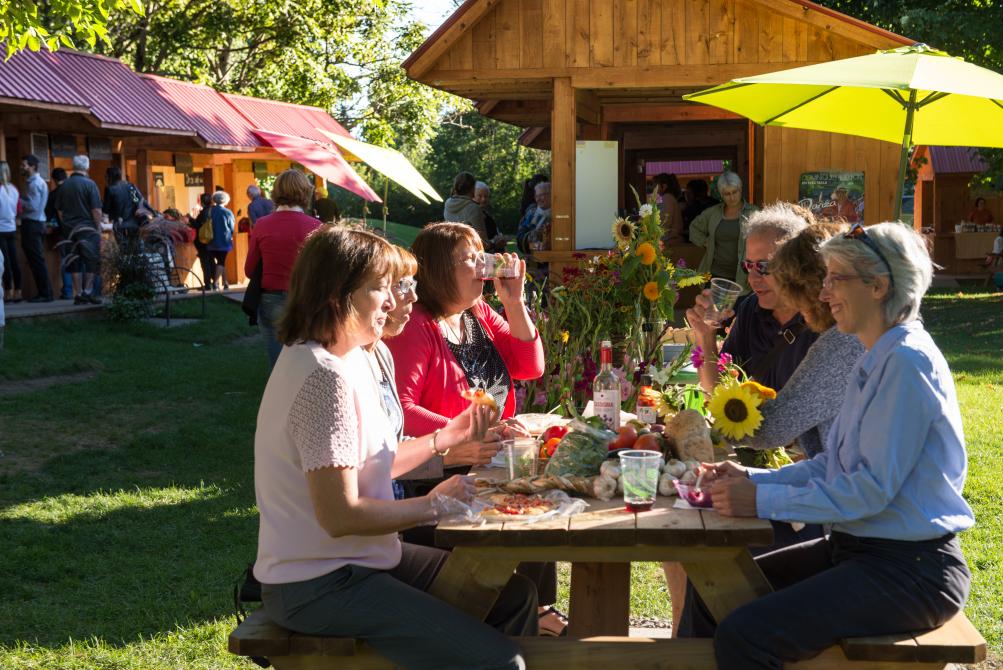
[606,389]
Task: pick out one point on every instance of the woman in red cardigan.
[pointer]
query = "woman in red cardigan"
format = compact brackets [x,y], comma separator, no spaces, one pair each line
[454,342]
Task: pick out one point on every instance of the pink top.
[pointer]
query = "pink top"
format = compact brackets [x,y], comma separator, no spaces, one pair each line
[429,380]
[277,239]
[318,411]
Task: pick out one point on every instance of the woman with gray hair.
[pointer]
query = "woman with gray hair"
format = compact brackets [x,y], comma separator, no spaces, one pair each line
[222,237]
[721,231]
[889,481]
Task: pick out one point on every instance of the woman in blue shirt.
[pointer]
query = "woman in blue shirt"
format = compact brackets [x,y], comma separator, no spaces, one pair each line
[222,237]
[889,480]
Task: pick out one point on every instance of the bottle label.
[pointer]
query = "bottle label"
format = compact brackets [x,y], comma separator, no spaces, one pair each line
[607,407]
[647,414]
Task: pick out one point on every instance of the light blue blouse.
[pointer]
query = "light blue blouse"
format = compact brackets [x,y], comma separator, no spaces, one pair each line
[894,461]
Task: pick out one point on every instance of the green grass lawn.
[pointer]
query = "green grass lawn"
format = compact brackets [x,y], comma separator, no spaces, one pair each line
[127,497]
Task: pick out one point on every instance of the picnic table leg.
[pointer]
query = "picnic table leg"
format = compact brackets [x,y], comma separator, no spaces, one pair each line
[728,580]
[600,599]
[472,582]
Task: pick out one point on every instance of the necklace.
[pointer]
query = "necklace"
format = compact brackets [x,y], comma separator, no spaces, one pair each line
[457,337]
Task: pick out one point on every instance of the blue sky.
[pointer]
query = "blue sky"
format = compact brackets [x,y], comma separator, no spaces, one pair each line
[433,12]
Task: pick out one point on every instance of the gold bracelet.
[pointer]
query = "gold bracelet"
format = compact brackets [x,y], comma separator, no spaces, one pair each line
[432,444]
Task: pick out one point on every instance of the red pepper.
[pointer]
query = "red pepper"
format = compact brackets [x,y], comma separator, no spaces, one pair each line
[554,431]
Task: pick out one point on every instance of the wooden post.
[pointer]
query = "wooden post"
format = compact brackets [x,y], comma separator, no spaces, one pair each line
[563,124]
[3,144]
[144,173]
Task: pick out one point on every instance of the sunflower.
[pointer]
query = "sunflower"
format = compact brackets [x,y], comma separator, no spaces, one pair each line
[565,335]
[695,280]
[646,253]
[736,411]
[651,291]
[623,232]
[765,392]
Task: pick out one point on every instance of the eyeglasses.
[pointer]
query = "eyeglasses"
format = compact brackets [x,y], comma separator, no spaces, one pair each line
[858,233]
[761,267]
[831,279]
[405,286]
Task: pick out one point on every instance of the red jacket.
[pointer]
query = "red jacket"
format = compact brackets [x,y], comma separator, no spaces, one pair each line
[276,241]
[429,380]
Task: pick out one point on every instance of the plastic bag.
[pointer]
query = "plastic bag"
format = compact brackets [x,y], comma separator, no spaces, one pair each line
[582,451]
[566,506]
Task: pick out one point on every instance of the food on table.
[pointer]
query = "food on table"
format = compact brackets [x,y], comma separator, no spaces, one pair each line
[554,431]
[548,448]
[694,496]
[666,485]
[538,424]
[517,504]
[604,487]
[610,469]
[675,467]
[650,442]
[690,436]
[479,397]
[625,439]
[580,452]
[763,458]
[689,477]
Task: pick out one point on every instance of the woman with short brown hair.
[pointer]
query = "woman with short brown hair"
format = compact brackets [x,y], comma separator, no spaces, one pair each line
[274,242]
[330,560]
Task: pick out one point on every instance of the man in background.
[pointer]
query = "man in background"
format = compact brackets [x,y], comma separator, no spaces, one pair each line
[33,229]
[52,216]
[78,206]
[260,205]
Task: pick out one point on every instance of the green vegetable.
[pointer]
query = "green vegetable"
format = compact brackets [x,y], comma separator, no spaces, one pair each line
[581,451]
[771,459]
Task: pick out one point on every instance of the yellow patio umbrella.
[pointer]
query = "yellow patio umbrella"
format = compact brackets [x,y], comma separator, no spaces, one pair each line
[390,163]
[911,95]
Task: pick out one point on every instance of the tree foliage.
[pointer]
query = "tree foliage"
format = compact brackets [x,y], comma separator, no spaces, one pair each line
[27,24]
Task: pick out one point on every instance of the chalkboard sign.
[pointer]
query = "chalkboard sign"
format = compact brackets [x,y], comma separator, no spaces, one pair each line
[99,148]
[63,146]
[183,163]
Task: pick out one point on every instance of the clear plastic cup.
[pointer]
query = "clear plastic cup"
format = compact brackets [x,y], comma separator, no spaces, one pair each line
[639,469]
[494,266]
[723,294]
[520,457]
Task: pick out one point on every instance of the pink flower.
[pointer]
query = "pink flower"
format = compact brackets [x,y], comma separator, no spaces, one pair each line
[696,357]
[540,399]
[723,362]
[681,263]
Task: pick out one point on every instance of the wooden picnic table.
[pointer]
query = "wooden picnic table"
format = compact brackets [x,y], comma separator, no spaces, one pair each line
[600,543]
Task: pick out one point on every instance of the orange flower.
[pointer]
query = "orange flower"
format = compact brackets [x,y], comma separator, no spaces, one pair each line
[733,372]
[646,252]
[651,291]
[765,392]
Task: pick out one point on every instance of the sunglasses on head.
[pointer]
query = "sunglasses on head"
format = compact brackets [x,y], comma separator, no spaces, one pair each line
[858,233]
[761,267]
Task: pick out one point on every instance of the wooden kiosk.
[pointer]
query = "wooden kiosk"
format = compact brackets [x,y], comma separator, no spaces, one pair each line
[615,70]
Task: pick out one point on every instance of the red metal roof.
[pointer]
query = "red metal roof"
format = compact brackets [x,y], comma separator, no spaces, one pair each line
[286,118]
[27,77]
[208,113]
[117,96]
[946,160]
[684,167]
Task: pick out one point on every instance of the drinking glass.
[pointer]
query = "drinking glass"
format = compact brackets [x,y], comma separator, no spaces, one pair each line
[520,457]
[493,266]
[639,469]
[723,294]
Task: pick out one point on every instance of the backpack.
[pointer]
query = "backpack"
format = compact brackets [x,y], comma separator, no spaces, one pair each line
[205,231]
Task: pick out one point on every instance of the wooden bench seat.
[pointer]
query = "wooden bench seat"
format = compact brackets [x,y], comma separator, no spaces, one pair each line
[955,642]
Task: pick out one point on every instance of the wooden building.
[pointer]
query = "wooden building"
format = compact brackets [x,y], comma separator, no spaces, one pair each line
[615,71]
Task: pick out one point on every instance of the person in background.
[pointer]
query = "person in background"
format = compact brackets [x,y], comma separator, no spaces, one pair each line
[205,258]
[529,192]
[324,206]
[52,216]
[980,215]
[223,225]
[534,229]
[9,198]
[482,196]
[667,194]
[122,201]
[460,207]
[274,242]
[260,205]
[696,199]
[842,206]
[78,206]
[33,228]
[890,480]
[330,559]
[721,231]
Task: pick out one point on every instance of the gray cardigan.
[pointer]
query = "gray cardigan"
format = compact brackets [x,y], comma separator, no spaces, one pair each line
[432,468]
[807,405]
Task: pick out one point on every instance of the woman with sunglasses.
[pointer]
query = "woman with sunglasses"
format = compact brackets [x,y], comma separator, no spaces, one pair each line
[889,480]
[329,556]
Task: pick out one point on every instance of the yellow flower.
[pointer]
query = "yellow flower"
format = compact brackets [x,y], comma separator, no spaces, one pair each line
[765,392]
[623,232]
[695,280]
[646,253]
[736,411]
[651,291]
[565,335]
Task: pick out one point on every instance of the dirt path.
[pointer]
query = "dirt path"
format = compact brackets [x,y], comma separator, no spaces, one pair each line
[20,386]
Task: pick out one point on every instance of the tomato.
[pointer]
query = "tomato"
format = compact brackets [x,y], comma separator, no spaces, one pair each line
[651,442]
[625,439]
[554,431]
[550,446]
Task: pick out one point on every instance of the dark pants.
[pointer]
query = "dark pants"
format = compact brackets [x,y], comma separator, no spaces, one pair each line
[838,587]
[33,243]
[392,611]
[543,575]
[11,265]
[205,260]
